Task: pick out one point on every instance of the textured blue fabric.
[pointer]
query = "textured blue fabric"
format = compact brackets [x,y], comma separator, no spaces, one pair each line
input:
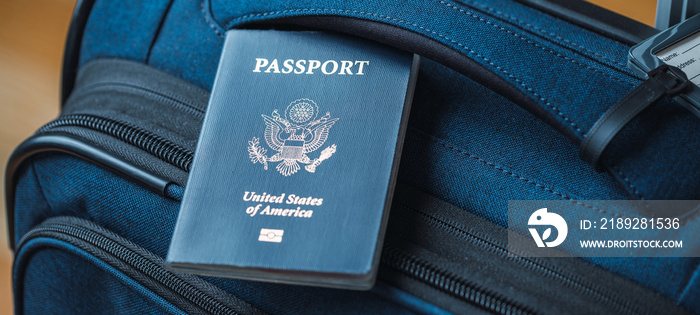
[54,277]
[60,185]
[465,144]
[133,25]
[112,202]
[458,148]
[479,164]
[574,75]
[71,187]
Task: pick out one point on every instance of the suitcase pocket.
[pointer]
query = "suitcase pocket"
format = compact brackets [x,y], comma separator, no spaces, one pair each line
[114,274]
[433,246]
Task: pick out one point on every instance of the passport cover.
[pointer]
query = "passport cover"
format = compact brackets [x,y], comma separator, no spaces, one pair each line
[294,170]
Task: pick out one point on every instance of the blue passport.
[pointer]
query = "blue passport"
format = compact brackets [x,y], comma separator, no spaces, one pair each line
[295,166]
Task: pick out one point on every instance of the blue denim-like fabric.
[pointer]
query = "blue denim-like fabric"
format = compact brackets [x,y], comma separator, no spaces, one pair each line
[67,186]
[574,75]
[133,25]
[450,152]
[465,144]
[458,148]
[59,278]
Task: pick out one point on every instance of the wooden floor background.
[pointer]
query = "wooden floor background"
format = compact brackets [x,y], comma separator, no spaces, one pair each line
[32,35]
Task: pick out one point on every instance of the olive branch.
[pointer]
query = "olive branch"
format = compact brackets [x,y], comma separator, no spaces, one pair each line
[256,152]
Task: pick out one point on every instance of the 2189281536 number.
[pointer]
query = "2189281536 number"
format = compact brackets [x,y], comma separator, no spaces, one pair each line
[639,223]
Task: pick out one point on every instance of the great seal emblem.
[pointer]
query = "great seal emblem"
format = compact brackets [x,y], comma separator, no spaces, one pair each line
[293,137]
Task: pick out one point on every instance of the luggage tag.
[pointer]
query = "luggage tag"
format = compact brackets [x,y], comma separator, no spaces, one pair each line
[295,166]
[669,63]
[679,47]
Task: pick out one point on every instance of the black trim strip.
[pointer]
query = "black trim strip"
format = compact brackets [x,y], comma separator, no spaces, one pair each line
[419,44]
[69,144]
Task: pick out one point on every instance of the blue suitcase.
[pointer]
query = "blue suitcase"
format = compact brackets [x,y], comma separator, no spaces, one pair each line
[506,92]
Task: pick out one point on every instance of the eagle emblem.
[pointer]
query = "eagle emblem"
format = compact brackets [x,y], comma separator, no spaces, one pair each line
[293,137]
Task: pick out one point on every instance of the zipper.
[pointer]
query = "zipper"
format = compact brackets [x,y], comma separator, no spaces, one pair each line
[450,283]
[392,257]
[462,287]
[410,265]
[156,145]
[182,158]
[128,88]
[88,236]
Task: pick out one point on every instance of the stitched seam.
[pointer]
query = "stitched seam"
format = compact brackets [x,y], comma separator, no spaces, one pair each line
[205,7]
[234,21]
[547,103]
[532,43]
[215,26]
[508,172]
[543,32]
[630,187]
